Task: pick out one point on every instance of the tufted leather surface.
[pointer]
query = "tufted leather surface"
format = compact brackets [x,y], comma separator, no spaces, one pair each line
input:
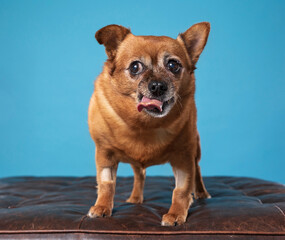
[56,207]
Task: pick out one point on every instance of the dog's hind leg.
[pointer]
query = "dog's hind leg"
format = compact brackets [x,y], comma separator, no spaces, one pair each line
[200,190]
[139,178]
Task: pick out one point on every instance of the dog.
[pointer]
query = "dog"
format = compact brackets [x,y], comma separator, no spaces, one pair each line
[143,112]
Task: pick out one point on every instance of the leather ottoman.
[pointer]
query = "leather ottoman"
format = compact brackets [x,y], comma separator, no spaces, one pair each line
[56,208]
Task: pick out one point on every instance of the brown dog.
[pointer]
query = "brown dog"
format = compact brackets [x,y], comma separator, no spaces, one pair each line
[143,112]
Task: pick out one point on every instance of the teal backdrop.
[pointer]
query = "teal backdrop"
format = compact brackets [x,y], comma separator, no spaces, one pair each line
[49,59]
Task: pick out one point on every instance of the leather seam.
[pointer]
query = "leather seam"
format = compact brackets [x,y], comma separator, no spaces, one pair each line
[141,232]
[279,209]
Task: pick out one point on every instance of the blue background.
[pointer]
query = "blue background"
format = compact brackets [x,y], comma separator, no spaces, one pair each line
[49,60]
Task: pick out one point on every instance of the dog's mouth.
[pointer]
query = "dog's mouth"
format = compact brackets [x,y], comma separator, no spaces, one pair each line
[153,106]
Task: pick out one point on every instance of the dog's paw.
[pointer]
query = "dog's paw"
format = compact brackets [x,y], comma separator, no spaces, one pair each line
[170,219]
[133,199]
[99,211]
[202,195]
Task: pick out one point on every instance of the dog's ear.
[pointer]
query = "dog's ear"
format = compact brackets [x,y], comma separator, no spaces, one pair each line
[111,36]
[195,39]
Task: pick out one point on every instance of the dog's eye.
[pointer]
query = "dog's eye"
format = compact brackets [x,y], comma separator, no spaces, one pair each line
[174,66]
[136,68]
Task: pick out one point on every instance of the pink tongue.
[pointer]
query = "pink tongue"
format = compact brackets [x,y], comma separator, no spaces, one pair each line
[149,104]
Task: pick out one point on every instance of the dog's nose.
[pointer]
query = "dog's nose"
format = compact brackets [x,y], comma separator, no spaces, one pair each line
[157,88]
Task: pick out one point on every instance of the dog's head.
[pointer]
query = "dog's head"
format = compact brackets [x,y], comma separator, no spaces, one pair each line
[154,71]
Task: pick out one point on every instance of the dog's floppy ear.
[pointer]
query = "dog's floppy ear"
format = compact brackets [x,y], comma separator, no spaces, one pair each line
[195,39]
[111,36]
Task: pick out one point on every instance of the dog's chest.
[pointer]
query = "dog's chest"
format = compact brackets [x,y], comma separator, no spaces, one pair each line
[144,145]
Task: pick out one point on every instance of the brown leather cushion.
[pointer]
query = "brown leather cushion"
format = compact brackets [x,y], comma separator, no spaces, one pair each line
[56,207]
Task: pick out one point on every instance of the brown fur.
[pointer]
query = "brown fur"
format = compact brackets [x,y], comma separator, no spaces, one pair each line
[122,134]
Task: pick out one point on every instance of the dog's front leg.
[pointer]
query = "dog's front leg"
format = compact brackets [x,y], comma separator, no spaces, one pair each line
[106,180]
[181,197]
